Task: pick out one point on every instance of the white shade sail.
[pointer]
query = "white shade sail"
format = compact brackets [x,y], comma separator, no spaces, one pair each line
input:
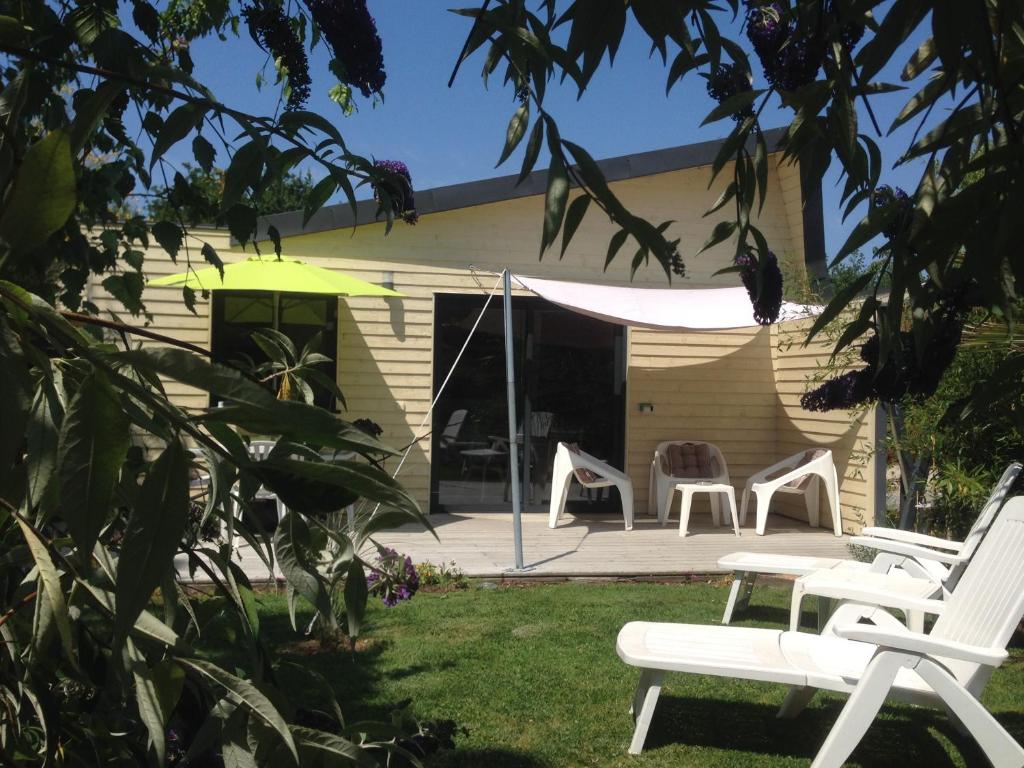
[658,308]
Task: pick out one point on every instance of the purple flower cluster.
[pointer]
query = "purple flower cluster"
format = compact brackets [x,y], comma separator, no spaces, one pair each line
[394,577]
[351,33]
[767,301]
[273,32]
[725,82]
[791,57]
[904,372]
[885,197]
[399,187]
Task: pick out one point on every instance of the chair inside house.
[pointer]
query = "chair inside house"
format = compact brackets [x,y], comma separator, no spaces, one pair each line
[684,462]
[802,474]
[947,668]
[449,439]
[571,464]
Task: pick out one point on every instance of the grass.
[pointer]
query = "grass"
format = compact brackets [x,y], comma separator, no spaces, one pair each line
[533,675]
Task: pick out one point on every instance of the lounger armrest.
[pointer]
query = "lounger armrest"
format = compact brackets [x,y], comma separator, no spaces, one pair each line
[870,595]
[907,550]
[912,537]
[926,645]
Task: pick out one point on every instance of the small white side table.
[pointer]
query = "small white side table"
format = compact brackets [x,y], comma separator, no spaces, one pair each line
[703,486]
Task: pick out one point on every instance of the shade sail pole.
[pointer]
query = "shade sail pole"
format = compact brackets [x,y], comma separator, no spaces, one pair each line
[513,446]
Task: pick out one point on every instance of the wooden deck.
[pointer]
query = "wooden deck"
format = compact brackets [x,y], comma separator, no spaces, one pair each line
[481,545]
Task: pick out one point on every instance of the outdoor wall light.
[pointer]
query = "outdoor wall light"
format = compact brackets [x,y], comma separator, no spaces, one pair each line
[387,280]
[645,407]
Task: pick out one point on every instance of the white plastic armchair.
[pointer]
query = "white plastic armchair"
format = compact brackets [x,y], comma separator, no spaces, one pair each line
[573,464]
[800,473]
[663,480]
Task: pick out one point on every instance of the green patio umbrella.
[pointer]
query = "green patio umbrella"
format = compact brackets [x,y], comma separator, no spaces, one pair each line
[282,275]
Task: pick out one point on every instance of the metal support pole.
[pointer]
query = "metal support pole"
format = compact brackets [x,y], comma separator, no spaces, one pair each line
[513,447]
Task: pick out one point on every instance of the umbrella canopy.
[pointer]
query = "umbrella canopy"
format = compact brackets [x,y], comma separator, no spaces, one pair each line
[279,275]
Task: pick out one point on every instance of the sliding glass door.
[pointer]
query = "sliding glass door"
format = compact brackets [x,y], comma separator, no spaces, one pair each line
[570,387]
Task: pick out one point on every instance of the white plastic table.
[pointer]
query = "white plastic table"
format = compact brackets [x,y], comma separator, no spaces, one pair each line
[702,486]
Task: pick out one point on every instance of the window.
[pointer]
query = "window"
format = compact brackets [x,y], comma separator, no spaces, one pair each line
[299,316]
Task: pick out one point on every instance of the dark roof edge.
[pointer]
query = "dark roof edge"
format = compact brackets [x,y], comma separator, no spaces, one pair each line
[471,193]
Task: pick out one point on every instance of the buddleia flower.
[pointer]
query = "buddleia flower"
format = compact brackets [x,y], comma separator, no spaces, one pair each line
[727,80]
[886,197]
[273,32]
[399,189]
[351,34]
[767,302]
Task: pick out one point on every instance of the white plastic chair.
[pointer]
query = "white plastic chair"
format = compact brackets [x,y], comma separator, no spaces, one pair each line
[947,668]
[919,555]
[258,451]
[569,465]
[800,473]
[663,481]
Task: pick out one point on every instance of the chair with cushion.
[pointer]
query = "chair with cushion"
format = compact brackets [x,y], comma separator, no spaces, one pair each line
[684,461]
[573,464]
[800,473]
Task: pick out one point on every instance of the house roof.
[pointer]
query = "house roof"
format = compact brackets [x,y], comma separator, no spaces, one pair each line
[465,195]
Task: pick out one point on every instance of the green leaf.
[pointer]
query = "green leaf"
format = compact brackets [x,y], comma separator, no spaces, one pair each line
[148,627]
[179,124]
[326,486]
[532,151]
[12,31]
[356,594]
[189,368]
[316,198]
[152,536]
[838,303]
[573,217]
[321,748]
[732,105]
[42,196]
[243,694]
[243,173]
[212,257]
[148,700]
[91,111]
[50,588]
[723,231]
[554,201]
[170,237]
[275,238]
[293,549]
[204,153]
[614,244]
[42,435]
[92,446]
[241,222]
[515,132]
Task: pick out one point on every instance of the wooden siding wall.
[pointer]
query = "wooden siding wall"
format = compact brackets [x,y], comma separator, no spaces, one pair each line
[711,386]
[715,386]
[170,316]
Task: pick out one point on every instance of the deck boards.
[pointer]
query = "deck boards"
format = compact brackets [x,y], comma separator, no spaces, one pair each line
[481,545]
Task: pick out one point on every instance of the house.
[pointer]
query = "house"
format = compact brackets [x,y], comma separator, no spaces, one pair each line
[617,391]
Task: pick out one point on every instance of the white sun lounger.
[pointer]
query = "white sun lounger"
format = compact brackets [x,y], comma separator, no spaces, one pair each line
[947,668]
[926,557]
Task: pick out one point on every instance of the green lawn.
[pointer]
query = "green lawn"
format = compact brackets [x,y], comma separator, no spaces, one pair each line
[532,673]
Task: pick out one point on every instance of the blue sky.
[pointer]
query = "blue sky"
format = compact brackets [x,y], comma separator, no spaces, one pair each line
[450,135]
